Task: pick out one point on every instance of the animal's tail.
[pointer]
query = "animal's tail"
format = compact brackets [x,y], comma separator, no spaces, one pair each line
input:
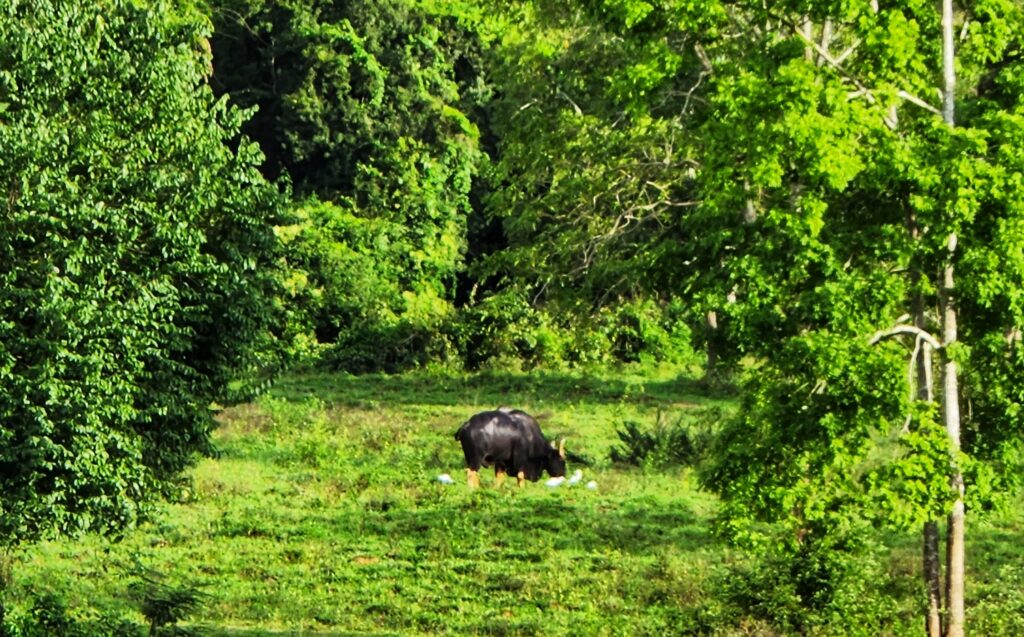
[458,432]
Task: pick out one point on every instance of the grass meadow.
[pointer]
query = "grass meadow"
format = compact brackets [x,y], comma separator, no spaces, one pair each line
[323,515]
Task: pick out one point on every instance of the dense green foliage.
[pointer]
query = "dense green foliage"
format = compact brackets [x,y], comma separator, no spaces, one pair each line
[397,125]
[361,106]
[814,191]
[135,246]
[347,293]
[849,207]
[683,442]
[858,197]
[197,191]
[593,176]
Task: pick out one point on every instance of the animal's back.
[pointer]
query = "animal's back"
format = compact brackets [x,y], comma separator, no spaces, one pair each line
[530,430]
[480,421]
[511,441]
[493,438]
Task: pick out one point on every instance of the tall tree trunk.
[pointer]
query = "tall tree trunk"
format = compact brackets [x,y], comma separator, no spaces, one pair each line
[930,547]
[955,564]
[932,578]
[807,28]
[951,410]
[948,69]
[951,400]
[711,336]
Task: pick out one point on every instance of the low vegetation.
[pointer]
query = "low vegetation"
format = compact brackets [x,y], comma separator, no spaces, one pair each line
[323,515]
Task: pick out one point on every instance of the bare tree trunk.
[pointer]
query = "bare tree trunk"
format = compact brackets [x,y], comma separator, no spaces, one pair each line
[930,547]
[923,352]
[932,569]
[826,40]
[951,399]
[932,578]
[711,335]
[955,561]
[807,28]
[948,69]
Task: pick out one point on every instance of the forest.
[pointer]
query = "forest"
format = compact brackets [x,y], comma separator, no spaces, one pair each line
[761,263]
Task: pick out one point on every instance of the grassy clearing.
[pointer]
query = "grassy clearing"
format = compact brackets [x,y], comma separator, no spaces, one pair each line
[323,516]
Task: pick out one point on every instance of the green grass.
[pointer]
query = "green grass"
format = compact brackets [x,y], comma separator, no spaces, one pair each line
[322,515]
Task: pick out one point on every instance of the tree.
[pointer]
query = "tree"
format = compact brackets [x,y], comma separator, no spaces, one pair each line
[593,165]
[135,252]
[362,106]
[816,196]
[864,201]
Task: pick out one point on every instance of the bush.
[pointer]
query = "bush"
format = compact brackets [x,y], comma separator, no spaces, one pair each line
[814,584]
[680,443]
[648,331]
[390,349]
[353,303]
[507,326]
[136,258]
[49,615]
[999,609]
[164,603]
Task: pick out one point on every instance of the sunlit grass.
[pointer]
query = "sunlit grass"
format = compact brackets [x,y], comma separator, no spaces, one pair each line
[322,515]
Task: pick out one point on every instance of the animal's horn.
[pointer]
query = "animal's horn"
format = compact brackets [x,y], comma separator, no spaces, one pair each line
[561,448]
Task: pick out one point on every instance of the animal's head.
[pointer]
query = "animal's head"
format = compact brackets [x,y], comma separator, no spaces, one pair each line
[556,460]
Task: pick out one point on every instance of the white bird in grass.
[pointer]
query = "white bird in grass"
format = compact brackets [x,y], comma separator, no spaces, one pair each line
[592,485]
[554,482]
[444,478]
[576,477]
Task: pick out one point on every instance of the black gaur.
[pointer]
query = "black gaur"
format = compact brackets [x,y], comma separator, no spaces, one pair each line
[511,441]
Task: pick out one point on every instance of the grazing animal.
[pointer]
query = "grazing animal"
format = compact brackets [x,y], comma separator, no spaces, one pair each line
[510,440]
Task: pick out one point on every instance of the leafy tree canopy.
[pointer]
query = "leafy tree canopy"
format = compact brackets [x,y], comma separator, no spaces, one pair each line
[363,106]
[134,259]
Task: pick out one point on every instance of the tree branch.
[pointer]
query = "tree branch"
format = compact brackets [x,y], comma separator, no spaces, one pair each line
[826,37]
[917,101]
[861,89]
[906,329]
[850,50]
[575,106]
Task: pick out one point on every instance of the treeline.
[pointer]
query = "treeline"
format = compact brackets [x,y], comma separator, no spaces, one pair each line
[830,191]
[200,193]
[418,144]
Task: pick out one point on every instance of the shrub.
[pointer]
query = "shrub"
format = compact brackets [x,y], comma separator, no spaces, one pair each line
[507,326]
[352,300]
[646,331]
[999,609]
[683,442]
[136,259]
[813,583]
[165,603]
[49,615]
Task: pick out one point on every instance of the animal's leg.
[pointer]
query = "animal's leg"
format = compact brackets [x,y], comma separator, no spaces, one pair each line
[521,478]
[499,477]
[472,478]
